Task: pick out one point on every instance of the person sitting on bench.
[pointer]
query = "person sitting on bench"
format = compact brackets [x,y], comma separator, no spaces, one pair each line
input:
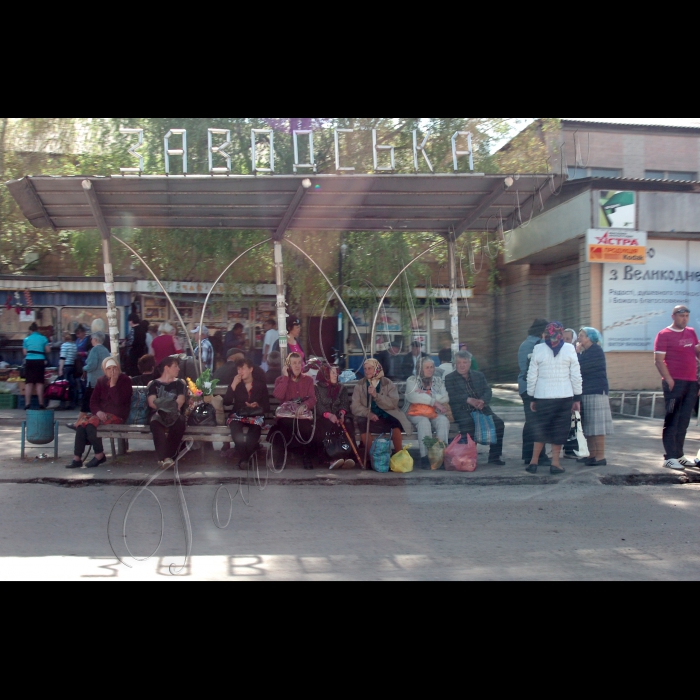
[166,398]
[110,404]
[251,402]
[375,405]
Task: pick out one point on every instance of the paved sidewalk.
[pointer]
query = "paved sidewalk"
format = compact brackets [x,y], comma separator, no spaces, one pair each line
[634,456]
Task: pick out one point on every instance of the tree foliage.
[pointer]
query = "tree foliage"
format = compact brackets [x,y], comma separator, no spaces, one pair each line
[75,146]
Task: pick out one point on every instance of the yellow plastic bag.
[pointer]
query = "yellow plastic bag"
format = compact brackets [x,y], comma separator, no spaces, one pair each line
[402,462]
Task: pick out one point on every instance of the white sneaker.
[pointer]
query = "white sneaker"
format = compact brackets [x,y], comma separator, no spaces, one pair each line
[337,465]
[687,462]
[674,464]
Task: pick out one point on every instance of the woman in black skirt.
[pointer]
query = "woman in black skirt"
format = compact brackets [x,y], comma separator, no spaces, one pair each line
[554,385]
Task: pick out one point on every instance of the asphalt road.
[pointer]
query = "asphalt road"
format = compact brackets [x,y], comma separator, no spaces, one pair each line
[552,532]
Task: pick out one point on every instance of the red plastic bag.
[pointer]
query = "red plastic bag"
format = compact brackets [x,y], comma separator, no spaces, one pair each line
[461,458]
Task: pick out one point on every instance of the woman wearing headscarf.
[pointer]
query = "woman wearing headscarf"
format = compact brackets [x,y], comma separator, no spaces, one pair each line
[295,386]
[375,405]
[596,415]
[554,386]
[426,406]
[333,410]
[110,404]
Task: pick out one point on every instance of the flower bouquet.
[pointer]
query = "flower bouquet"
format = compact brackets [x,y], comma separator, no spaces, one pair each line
[201,390]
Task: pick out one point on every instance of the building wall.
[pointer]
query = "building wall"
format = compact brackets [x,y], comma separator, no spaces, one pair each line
[632,151]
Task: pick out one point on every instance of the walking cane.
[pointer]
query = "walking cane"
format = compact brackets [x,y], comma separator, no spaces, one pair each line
[352,444]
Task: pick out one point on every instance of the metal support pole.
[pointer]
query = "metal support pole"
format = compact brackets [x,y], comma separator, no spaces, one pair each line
[454,307]
[108,268]
[281,300]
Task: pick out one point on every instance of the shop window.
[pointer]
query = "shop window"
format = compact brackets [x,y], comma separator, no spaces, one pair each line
[72,317]
[15,328]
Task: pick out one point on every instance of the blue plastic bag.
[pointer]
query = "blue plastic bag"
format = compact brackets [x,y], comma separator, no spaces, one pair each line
[381,455]
[138,415]
[485,429]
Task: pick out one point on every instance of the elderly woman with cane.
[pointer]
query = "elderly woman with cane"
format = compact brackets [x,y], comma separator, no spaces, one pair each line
[596,415]
[375,405]
[333,412]
[554,385]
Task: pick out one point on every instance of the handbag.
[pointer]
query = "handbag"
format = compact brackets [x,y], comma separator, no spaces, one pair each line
[58,391]
[294,409]
[204,415]
[336,446]
[421,410]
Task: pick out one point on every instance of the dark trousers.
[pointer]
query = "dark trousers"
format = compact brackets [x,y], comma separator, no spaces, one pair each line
[679,409]
[69,376]
[87,436]
[529,431]
[167,440]
[467,427]
[305,427]
[246,445]
[87,395]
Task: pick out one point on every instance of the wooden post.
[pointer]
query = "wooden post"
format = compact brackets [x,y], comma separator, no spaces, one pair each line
[108,269]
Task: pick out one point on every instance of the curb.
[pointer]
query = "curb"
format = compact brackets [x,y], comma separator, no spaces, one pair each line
[621,480]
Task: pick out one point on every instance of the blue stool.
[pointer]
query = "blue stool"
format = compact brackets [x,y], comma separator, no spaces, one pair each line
[40,428]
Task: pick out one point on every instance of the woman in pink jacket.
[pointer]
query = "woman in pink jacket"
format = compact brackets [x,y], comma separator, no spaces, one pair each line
[295,387]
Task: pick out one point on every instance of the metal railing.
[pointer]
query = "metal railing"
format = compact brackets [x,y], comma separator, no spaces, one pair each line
[638,404]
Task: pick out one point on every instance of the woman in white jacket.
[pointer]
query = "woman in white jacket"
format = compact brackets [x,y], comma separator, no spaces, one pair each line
[426,406]
[554,386]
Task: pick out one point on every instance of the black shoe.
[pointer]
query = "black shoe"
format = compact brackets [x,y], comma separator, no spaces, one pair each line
[497,462]
[71,426]
[75,465]
[96,463]
[425,464]
[595,463]
[532,469]
[557,471]
[244,465]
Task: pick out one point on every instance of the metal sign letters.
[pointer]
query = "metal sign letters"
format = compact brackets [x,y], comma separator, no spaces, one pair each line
[223,150]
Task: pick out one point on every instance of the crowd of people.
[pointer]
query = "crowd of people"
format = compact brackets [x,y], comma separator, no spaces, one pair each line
[562,373]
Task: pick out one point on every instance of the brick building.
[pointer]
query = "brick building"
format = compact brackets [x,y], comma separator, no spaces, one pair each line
[545,271]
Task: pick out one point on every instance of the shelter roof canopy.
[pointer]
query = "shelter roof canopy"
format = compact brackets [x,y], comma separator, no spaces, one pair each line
[417,203]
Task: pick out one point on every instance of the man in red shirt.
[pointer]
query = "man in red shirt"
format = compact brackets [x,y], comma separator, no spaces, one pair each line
[677,350]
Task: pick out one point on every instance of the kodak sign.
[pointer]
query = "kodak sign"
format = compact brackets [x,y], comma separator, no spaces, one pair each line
[617,246]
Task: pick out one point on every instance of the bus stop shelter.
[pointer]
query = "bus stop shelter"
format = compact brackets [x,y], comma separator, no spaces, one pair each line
[444,204]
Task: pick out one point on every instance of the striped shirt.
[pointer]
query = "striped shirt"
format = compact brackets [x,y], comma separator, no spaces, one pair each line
[68,353]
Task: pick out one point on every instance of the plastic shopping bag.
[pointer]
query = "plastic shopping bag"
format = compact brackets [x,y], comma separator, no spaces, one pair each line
[402,462]
[436,455]
[485,429]
[460,457]
[578,437]
[381,455]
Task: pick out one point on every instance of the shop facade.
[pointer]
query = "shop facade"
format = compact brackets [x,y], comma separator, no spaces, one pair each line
[574,263]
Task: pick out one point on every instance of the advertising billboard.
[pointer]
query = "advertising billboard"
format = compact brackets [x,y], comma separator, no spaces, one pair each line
[638,299]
